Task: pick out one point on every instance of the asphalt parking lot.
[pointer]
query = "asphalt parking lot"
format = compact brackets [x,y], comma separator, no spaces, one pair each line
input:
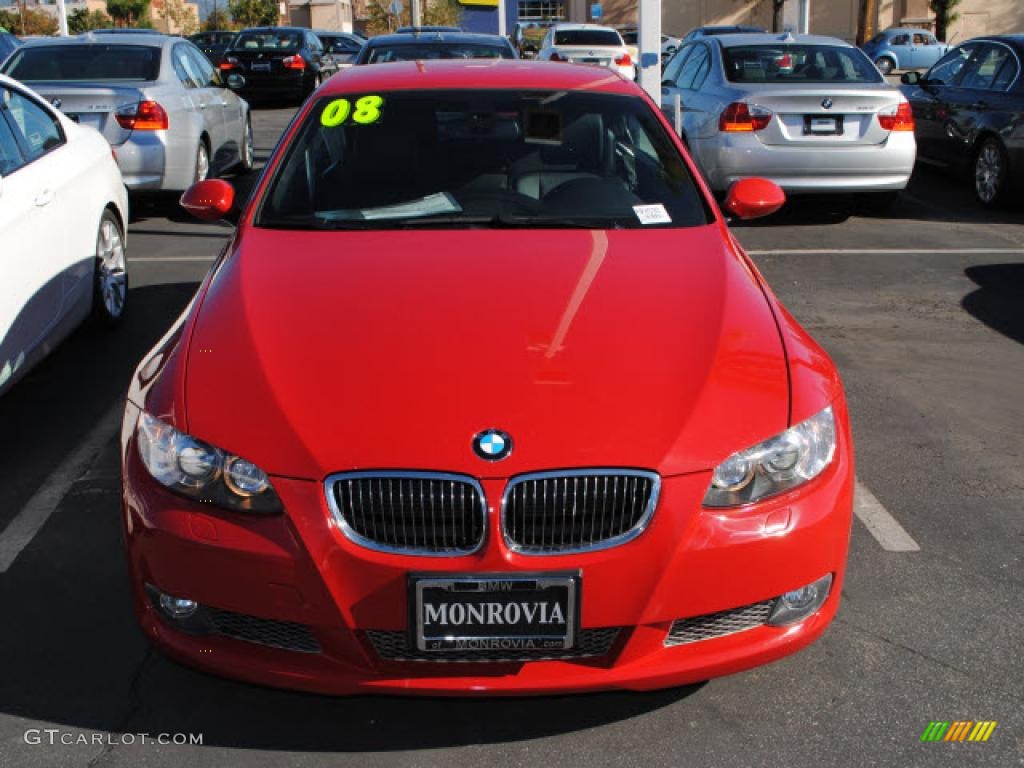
[922,309]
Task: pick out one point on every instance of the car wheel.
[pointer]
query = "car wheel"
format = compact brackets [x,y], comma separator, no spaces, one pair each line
[202,163]
[248,152]
[885,65]
[991,172]
[110,281]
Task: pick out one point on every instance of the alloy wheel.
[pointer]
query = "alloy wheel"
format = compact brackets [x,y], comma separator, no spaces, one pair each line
[988,172]
[111,273]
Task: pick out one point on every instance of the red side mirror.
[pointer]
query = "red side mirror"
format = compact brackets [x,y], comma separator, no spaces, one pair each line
[209,200]
[753,198]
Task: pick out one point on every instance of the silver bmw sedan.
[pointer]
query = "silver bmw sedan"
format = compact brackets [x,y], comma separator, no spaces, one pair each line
[811,113]
[167,114]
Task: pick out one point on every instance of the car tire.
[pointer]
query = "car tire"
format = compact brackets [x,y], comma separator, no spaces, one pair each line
[110,274]
[885,65]
[991,172]
[202,171]
[248,151]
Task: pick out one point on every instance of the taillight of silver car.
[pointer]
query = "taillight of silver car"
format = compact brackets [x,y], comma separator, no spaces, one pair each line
[143,116]
[897,118]
[740,117]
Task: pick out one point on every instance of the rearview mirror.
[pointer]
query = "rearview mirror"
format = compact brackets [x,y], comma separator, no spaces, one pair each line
[911,78]
[754,198]
[209,200]
[236,82]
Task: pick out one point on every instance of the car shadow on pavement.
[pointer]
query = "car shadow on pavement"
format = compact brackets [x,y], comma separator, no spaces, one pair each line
[999,300]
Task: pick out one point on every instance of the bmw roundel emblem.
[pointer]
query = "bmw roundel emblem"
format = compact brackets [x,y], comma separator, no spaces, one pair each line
[826,103]
[492,445]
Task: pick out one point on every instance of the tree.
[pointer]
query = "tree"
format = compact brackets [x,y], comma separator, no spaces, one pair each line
[445,13]
[82,21]
[129,13]
[30,21]
[945,15]
[177,16]
[253,13]
[217,19]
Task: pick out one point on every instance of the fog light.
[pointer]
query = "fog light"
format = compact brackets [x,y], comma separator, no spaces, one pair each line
[800,603]
[177,607]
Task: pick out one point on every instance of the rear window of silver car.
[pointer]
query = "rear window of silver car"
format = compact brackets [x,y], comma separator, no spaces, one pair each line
[798,64]
[384,54]
[86,63]
[587,37]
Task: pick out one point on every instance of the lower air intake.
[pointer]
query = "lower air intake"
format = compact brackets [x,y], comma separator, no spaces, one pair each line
[718,624]
[286,635]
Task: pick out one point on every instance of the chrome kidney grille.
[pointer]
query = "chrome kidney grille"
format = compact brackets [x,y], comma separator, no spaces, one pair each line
[426,513]
[577,510]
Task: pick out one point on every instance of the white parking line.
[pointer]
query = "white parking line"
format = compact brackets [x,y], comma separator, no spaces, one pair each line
[23,528]
[887,251]
[880,524]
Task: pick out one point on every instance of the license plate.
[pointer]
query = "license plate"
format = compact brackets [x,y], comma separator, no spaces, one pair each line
[260,66]
[823,125]
[513,612]
[592,61]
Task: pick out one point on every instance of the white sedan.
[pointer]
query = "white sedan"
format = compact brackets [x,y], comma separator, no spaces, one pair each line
[588,44]
[63,209]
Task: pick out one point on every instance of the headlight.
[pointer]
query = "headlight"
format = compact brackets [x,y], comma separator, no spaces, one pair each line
[780,463]
[201,471]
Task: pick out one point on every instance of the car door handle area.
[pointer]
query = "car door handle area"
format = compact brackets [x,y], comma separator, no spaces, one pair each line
[44,198]
[978,106]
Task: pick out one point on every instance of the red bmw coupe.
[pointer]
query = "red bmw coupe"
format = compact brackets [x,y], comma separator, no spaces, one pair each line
[484,397]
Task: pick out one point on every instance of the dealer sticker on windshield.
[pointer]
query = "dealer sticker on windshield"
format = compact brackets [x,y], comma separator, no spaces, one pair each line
[652,214]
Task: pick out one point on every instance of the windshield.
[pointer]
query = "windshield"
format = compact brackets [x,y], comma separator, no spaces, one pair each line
[269,40]
[798,64]
[384,54]
[455,159]
[587,37]
[87,63]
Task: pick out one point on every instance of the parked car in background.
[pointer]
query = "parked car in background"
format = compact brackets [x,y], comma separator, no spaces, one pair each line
[343,47]
[969,114]
[8,43]
[278,63]
[712,31]
[810,113]
[528,35]
[63,210]
[427,28]
[631,37]
[213,44]
[410,46]
[588,44]
[167,114]
[904,48]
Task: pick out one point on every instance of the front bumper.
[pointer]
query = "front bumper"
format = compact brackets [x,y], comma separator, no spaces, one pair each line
[725,158]
[298,568]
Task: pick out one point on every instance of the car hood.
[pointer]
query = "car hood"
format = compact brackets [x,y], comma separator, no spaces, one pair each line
[319,352]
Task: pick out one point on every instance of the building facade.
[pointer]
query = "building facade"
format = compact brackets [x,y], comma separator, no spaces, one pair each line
[837,18]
